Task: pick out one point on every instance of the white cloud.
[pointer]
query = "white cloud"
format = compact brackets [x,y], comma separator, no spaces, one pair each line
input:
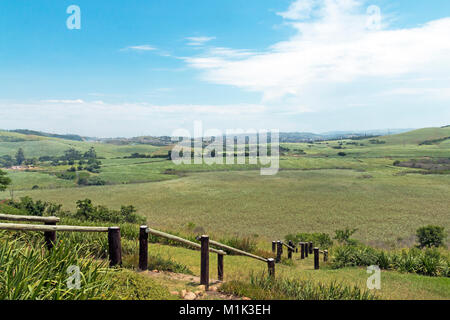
[199,41]
[76,101]
[144,47]
[332,48]
[298,10]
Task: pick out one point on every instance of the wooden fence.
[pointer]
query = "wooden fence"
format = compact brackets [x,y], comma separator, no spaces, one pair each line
[306,248]
[50,228]
[205,249]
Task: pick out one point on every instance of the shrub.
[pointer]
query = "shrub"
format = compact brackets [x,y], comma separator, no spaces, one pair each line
[431,236]
[87,211]
[426,262]
[343,236]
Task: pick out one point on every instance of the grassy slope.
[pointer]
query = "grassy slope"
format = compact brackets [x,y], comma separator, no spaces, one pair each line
[417,136]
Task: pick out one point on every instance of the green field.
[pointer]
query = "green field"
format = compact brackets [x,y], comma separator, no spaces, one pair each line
[316,190]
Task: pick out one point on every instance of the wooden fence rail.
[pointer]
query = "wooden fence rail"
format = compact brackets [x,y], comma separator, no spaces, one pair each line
[114,239]
[38,227]
[204,253]
[240,252]
[182,240]
[10,217]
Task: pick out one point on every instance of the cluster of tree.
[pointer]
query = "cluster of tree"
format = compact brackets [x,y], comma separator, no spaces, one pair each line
[137,155]
[19,159]
[79,161]
[81,178]
[87,211]
[35,208]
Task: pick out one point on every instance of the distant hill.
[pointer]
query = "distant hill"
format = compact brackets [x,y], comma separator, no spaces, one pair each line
[420,136]
[72,137]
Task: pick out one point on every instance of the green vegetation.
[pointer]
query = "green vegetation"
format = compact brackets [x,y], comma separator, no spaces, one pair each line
[30,273]
[4,180]
[264,288]
[319,195]
[431,236]
[427,262]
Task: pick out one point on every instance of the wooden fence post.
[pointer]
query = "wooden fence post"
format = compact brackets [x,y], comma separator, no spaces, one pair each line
[316,258]
[115,246]
[325,255]
[279,251]
[302,250]
[291,244]
[306,249]
[143,248]
[271,267]
[311,247]
[290,253]
[50,236]
[220,267]
[204,261]
[274,246]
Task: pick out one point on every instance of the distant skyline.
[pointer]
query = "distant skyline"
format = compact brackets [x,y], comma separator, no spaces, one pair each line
[150,67]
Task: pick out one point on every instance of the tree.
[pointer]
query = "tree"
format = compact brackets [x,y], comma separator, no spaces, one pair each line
[431,236]
[91,154]
[4,181]
[72,154]
[20,157]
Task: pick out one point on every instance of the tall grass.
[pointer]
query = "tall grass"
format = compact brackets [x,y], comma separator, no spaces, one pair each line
[429,262]
[264,288]
[30,272]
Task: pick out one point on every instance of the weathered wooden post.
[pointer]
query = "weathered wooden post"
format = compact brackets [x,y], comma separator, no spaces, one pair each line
[306,249]
[325,255]
[204,261]
[302,250]
[220,267]
[289,252]
[316,258]
[143,248]
[271,267]
[50,236]
[291,244]
[115,246]
[311,247]
[279,251]
[274,246]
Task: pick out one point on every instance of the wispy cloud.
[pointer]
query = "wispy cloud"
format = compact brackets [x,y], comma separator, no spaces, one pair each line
[64,101]
[332,48]
[198,41]
[144,47]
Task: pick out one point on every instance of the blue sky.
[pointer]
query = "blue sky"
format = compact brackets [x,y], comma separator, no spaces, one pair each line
[150,67]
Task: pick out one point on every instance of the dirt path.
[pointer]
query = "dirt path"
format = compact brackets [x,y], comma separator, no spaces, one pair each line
[187,286]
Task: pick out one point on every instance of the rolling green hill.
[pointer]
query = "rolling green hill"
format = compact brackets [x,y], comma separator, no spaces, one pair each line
[37,146]
[418,136]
